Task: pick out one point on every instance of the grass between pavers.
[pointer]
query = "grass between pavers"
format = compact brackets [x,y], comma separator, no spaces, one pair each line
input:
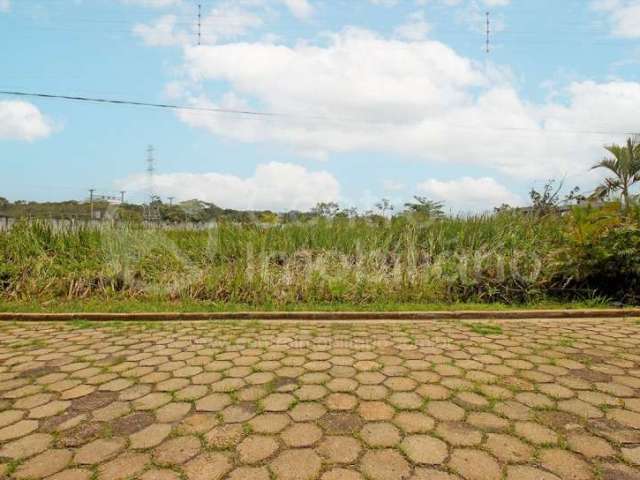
[110,305]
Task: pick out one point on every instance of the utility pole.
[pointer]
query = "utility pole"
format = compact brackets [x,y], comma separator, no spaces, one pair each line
[199,24]
[91,190]
[488,43]
[122,192]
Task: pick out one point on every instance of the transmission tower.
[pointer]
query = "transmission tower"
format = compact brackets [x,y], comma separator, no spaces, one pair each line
[199,24]
[488,42]
[152,213]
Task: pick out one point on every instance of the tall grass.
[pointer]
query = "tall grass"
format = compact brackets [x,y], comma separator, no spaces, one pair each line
[509,258]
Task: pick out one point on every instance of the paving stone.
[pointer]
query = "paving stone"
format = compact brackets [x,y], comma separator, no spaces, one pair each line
[405,400]
[26,446]
[446,411]
[589,445]
[72,474]
[474,465]
[208,466]
[508,448]
[519,472]
[256,448]
[213,403]
[339,449]
[487,421]
[44,465]
[150,437]
[301,435]
[172,412]
[631,455]
[385,464]
[18,429]
[423,449]
[305,412]
[342,474]
[459,434]
[380,434]
[124,466]
[159,474]
[250,473]
[373,411]
[98,451]
[432,474]
[278,402]
[177,450]
[536,433]
[225,436]
[566,465]
[301,464]
[269,423]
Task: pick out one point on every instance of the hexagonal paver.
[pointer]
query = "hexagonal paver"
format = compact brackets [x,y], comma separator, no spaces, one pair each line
[385,464]
[302,464]
[321,401]
[423,449]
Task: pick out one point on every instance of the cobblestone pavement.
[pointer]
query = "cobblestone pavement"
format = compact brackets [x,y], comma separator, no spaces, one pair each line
[524,400]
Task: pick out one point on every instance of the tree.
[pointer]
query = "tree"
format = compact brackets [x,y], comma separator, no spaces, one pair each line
[425,207]
[625,167]
[384,206]
[326,209]
[548,200]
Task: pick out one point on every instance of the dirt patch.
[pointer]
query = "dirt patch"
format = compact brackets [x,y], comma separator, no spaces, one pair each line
[80,435]
[132,423]
[590,375]
[586,358]
[618,472]
[38,372]
[614,432]
[340,423]
[286,383]
[560,421]
[93,401]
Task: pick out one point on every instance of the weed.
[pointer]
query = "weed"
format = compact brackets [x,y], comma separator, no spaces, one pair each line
[486,328]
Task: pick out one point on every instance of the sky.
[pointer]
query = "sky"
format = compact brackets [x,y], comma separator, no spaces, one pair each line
[366,99]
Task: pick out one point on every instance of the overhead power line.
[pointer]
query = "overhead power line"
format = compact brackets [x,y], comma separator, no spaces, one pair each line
[254,113]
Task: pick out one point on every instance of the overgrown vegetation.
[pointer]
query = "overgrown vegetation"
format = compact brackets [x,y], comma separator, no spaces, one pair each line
[332,257]
[508,257]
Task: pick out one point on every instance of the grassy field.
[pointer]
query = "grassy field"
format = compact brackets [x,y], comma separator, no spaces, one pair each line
[506,260]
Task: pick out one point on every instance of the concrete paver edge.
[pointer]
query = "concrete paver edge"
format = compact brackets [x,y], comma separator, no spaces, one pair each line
[334,316]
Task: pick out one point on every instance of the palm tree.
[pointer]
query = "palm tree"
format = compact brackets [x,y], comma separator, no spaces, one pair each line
[625,166]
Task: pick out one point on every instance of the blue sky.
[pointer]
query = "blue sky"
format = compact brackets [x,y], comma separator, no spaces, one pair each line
[379,98]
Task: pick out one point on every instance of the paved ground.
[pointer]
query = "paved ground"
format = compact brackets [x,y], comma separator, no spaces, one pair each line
[260,401]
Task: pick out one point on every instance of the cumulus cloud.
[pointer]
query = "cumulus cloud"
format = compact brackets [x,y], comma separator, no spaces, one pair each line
[415,28]
[624,16]
[228,20]
[273,186]
[299,8]
[22,121]
[5,5]
[362,92]
[469,194]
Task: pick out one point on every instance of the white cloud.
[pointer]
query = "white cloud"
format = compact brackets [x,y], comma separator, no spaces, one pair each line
[5,5]
[273,186]
[299,8]
[469,194]
[361,92]
[228,20]
[415,28]
[22,121]
[162,32]
[624,16]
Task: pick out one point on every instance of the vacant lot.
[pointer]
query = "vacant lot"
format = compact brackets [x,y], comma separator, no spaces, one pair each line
[385,401]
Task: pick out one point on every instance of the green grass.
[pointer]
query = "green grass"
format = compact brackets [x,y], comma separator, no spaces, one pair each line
[487,262]
[486,328]
[110,305]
